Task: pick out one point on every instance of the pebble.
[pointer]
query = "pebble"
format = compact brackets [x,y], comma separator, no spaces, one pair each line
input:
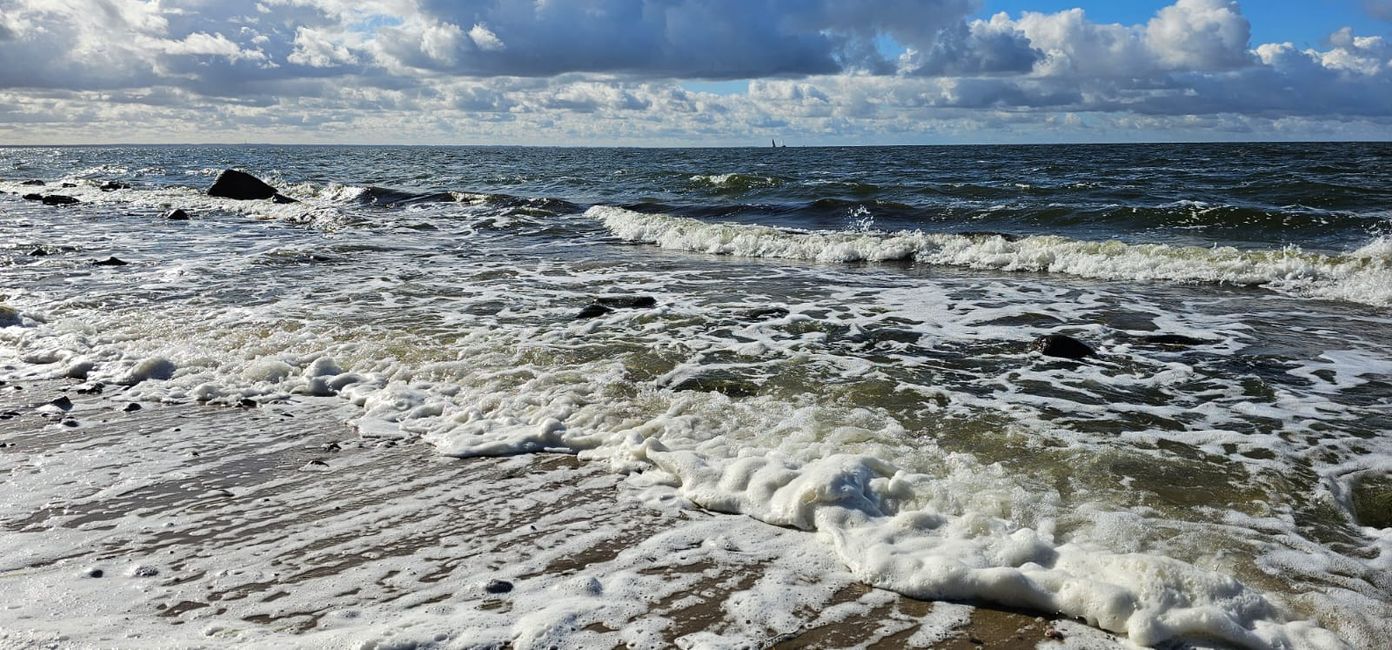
[498,587]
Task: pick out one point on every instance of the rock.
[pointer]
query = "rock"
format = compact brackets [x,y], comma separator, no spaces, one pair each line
[68,185]
[95,573]
[765,313]
[498,587]
[39,251]
[241,186]
[69,422]
[63,403]
[94,389]
[112,186]
[33,197]
[110,261]
[1372,500]
[717,381]
[176,214]
[9,415]
[1062,346]
[131,408]
[593,311]
[59,199]
[627,302]
[33,183]
[247,403]
[144,572]
[281,198]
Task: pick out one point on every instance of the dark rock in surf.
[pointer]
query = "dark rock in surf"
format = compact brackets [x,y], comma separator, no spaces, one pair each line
[33,197]
[131,408]
[593,311]
[498,587]
[59,199]
[112,186]
[765,313]
[241,186]
[68,185]
[110,261]
[281,198]
[176,214]
[627,302]
[63,403]
[1062,346]
[33,183]
[39,251]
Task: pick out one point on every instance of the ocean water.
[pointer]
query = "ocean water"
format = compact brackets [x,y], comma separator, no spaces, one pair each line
[840,344]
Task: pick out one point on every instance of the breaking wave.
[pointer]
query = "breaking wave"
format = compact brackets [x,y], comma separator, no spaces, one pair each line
[1363,275]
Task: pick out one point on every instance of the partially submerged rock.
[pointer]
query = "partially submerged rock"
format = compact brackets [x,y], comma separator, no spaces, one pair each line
[1063,347]
[593,311]
[241,186]
[110,261]
[1372,500]
[59,199]
[627,302]
[177,214]
[765,313]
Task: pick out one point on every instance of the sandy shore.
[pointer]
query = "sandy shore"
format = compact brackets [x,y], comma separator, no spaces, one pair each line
[277,525]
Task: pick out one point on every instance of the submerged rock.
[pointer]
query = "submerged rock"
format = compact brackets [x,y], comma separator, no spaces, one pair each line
[1372,500]
[1062,346]
[111,186]
[177,214]
[627,302]
[59,199]
[765,313]
[111,261]
[241,186]
[593,311]
[39,251]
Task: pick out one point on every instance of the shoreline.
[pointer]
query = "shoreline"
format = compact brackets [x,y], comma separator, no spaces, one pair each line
[278,525]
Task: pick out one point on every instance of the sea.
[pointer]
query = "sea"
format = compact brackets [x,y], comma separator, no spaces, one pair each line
[833,340]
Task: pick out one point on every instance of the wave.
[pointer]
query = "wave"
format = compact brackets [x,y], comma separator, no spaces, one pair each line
[734,182]
[1363,276]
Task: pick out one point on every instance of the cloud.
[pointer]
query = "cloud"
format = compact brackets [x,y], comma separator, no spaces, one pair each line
[571,69]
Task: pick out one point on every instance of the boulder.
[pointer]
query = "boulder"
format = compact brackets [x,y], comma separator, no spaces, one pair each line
[33,183]
[627,302]
[1062,346]
[110,261]
[176,214]
[33,197]
[59,199]
[241,186]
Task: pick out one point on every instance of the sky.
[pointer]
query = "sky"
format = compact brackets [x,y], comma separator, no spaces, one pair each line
[693,72]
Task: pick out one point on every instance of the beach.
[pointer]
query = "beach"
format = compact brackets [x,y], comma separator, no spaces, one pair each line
[485,397]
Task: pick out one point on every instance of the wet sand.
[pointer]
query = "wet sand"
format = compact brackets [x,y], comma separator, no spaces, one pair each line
[182,525]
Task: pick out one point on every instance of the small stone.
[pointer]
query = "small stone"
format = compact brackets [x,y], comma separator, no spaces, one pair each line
[498,587]
[95,573]
[69,422]
[144,572]
[247,403]
[63,403]
[131,408]
[1062,346]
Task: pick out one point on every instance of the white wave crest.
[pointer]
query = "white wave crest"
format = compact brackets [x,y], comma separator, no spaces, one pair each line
[1364,275]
